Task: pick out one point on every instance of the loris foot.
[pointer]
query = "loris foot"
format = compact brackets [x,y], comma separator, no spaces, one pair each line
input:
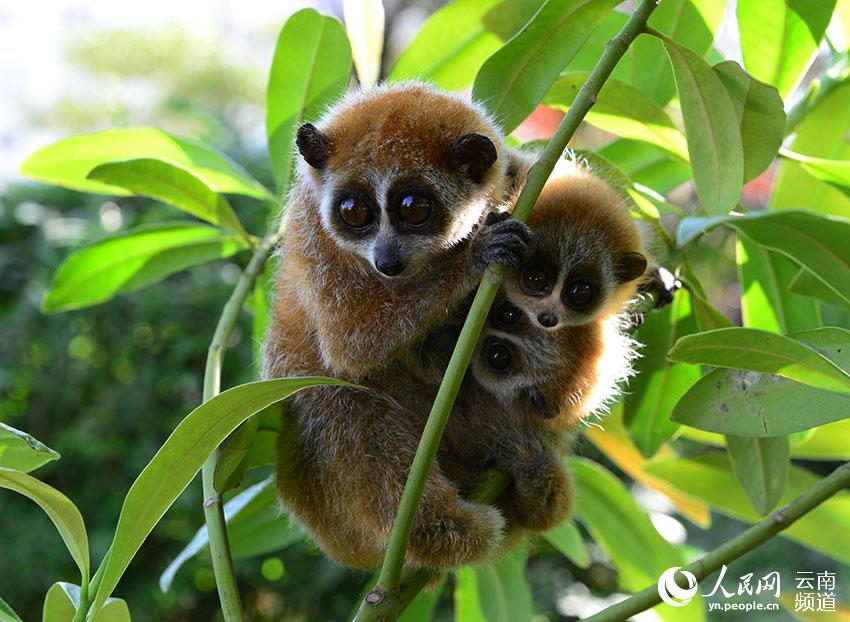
[462,534]
[664,283]
[540,498]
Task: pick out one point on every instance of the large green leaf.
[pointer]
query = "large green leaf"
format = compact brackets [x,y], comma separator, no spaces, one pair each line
[311,68]
[254,526]
[179,460]
[710,477]
[760,114]
[834,172]
[753,404]
[816,136]
[63,600]
[624,531]
[68,162]
[173,184]
[690,23]
[815,242]
[422,607]
[567,539]
[59,508]
[830,442]
[760,351]
[7,614]
[512,81]
[647,165]
[450,47]
[712,128]
[658,384]
[21,452]
[130,261]
[497,592]
[779,37]
[761,466]
[805,283]
[621,110]
[766,302]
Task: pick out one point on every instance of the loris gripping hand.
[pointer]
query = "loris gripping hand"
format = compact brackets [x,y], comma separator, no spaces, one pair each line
[500,239]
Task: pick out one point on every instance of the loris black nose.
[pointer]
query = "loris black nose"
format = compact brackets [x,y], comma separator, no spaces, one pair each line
[547,319]
[389,266]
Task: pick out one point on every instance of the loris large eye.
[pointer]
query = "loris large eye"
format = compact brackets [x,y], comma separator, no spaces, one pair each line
[535,281]
[579,294]
[506,316]
[498,355]
[355,212]
[415,209]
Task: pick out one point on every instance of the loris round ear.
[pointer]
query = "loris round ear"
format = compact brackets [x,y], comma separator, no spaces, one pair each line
[314,146]
[630,266]
[475,153]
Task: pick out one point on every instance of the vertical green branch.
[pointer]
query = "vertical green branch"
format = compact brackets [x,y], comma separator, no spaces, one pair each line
[222,562]
[391,572]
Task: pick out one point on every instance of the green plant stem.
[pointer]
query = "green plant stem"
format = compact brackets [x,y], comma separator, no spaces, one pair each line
[834,483]
[835,75]
[391,571]
[222,562]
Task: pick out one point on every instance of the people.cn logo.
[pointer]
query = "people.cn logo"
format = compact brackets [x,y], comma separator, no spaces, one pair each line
[669,590]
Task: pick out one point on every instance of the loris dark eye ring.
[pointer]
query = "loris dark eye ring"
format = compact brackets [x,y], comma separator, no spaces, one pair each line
[415,209]
[579,294]
[498,355]
[506,316]
[535,281]
[355,212]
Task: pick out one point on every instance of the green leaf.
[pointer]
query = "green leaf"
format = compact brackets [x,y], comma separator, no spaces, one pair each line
[761,466]
[59,508]
[829,442]
[758,405]
[68,162]
[624,531]
[758,350]
[512,81]
[691,24]
[765,301]
[179,460]
[7,614]
[228,472]
[497,592]
[805,283]
[364,23]
[834,172]
[710,478]
[658,384]
[172,184]
[761,116]
[567,539]
[621,110]
[779,37]
[21,452]
[450,46]
[63,600]
[130,261]
[423,606]
[816,136]
[310,70]
[711,125]
[254,526]
[647,165]
[815,242]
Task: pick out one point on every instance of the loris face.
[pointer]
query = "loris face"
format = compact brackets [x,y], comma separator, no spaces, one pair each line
[572,282]
[402,175]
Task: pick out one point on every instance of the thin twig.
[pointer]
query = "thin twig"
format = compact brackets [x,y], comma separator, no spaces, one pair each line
[391,572]
[834,483]
[222,561]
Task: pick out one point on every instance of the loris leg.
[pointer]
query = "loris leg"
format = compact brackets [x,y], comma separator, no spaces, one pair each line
[541,493]
[357,449]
